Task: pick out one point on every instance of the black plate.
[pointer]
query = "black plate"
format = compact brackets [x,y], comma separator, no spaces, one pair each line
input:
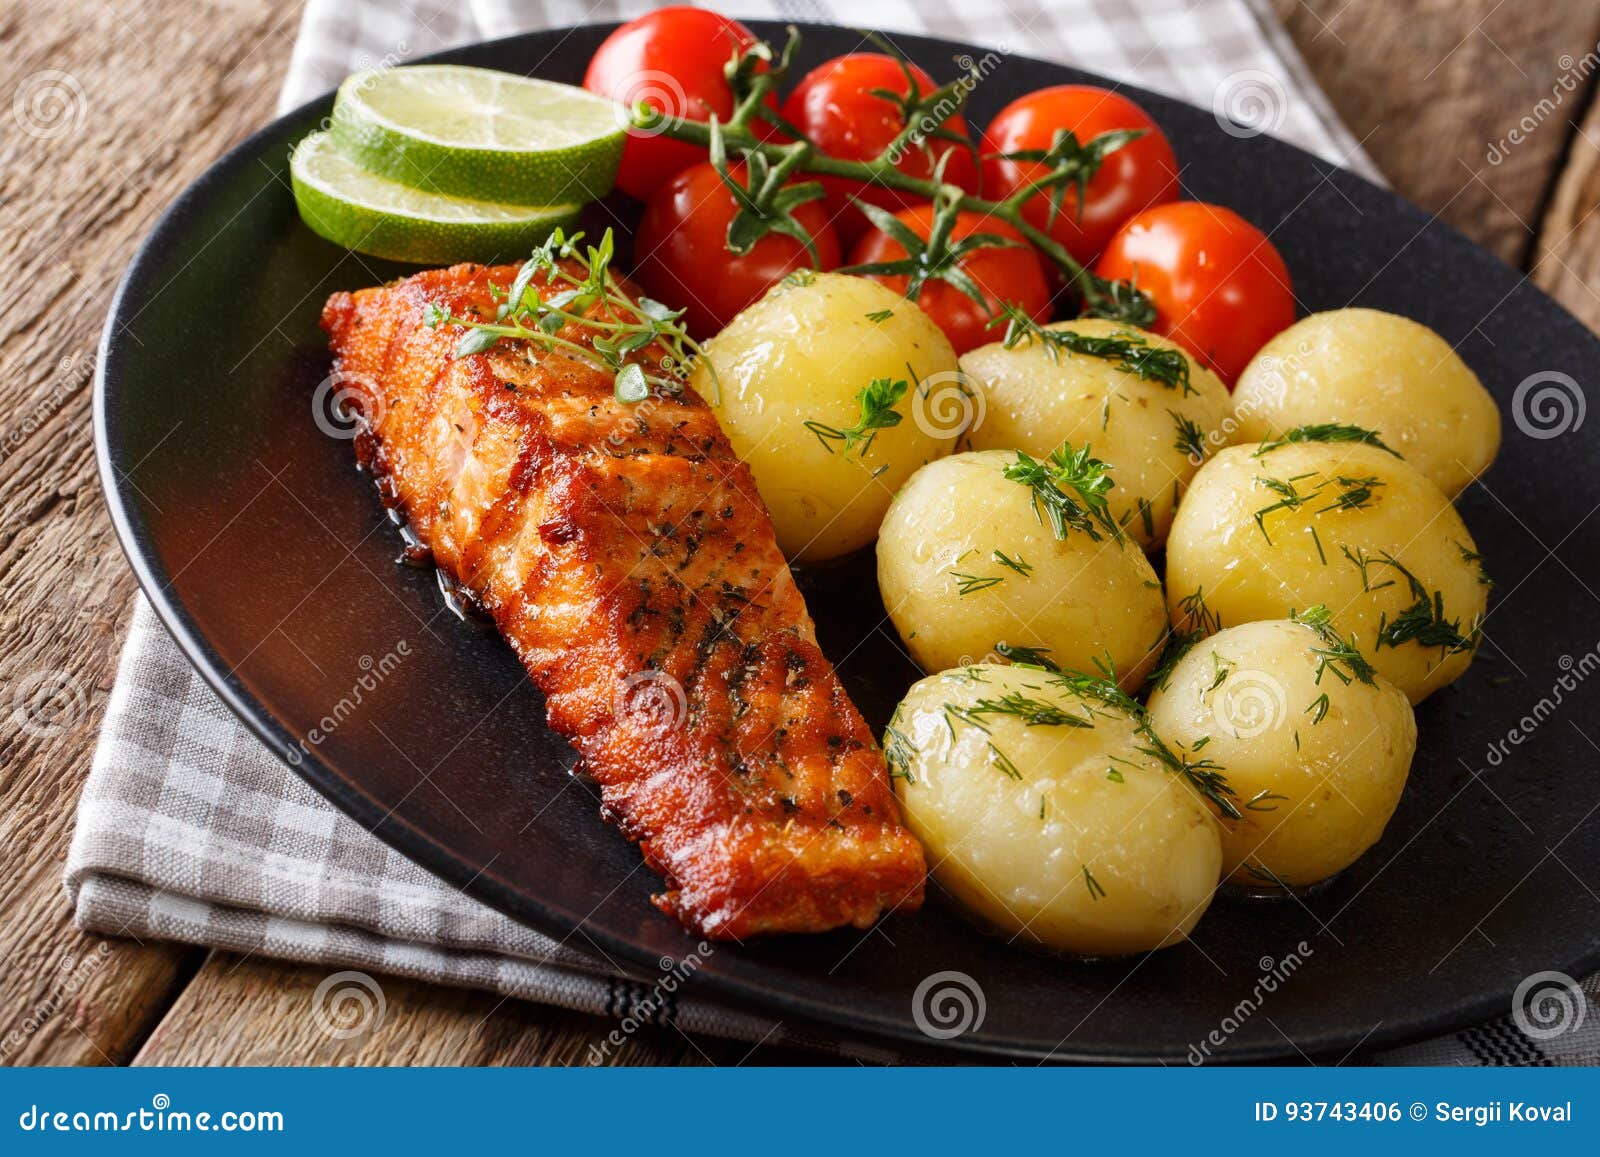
[270,559]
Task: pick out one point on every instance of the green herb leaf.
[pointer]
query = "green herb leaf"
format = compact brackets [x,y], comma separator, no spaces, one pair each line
[630,384]
[577,292]
[1025,656]
[1324,432]
[1020,565]
[1337,654]
[877,402]
[1131,352]
[1095,890]
[967,584]
[1069,489]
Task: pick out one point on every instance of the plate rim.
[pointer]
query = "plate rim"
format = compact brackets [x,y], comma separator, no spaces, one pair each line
[135,540]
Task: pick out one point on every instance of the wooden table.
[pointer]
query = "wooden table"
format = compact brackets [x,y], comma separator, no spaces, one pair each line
[1427,85]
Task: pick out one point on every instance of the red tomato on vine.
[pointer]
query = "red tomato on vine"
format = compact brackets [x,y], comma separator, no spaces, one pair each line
[1138,172]
[854,107]
[681,253]
[672,59]
[1220,287]
[958,281]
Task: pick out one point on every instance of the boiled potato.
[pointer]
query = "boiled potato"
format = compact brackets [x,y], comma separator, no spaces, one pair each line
[1042,816]
[791,390]
[1037,395]
[1363,367]
[1265,531]
[967,561]
[1315,749]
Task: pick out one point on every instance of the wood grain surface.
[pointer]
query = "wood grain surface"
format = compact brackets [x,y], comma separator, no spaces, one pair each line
[1481,112]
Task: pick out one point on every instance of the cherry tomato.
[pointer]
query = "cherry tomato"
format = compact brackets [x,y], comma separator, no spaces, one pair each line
[835,108]
[1141,173]
[1220,287]
[673,60]
[1015,276]
[681,252]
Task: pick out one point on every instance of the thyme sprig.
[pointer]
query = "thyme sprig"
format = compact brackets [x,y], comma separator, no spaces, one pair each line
[758,73]
[618,325]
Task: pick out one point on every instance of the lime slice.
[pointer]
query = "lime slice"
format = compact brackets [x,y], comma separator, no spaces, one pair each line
[371,214]
[473,132]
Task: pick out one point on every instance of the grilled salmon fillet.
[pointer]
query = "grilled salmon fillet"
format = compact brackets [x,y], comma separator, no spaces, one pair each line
[624,553]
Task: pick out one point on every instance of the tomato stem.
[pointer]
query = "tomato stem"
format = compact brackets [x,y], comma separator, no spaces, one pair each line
[1118,300]
[1100,296]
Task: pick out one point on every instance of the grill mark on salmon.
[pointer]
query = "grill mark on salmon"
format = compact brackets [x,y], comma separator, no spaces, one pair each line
[624,553]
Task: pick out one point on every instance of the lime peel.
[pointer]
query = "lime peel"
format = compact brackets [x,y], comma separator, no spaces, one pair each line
[477,133]
[364,211]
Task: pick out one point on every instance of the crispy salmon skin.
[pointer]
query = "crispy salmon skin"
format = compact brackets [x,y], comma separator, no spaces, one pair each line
[625,555]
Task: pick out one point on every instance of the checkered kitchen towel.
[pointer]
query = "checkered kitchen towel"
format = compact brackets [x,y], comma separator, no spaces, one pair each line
[189,830]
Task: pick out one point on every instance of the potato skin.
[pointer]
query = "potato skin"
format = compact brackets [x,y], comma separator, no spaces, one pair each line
[803,353]
[1308,554]
[1316,780]
[1379,371]
[1032,402]
[1082,599]
[1145,838]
